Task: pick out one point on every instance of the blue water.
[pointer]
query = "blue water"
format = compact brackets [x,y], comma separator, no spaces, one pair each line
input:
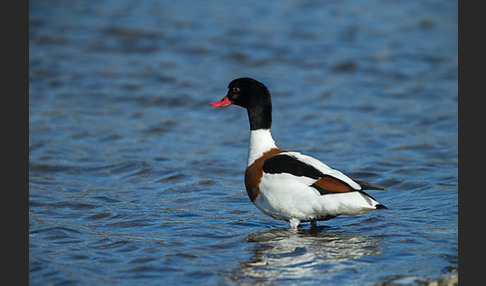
[135,180]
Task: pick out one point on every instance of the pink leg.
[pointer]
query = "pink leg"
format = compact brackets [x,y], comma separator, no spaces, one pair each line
[294,223]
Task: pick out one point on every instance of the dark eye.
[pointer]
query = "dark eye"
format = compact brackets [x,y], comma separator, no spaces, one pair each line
[235,90]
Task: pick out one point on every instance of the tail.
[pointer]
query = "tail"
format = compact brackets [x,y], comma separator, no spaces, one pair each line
[369,186]
[380,206]
[374,202]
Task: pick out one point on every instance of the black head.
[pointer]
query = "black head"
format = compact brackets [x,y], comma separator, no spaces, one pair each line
[252,95]
[247,92]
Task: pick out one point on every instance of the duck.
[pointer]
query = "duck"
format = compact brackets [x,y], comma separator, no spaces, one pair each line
[288,185]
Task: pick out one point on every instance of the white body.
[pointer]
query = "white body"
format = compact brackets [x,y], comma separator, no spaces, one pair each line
[291,198]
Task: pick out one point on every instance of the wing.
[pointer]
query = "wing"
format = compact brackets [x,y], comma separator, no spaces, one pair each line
[325,179]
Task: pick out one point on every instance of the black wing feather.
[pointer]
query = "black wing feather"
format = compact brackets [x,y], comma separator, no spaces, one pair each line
[289,164]
[369,186]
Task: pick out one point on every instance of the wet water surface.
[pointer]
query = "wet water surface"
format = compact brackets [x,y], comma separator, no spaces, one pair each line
[135,180]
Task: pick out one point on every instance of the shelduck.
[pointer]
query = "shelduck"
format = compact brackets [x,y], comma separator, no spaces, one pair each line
[288,185]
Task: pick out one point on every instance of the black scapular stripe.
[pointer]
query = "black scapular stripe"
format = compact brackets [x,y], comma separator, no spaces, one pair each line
[289,164]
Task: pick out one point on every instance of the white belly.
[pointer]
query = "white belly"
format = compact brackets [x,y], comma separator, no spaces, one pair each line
[284,196]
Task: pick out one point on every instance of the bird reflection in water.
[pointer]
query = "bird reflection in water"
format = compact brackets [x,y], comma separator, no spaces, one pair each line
[282,253]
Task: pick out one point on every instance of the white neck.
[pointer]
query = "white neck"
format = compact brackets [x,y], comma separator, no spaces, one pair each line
[260,142]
